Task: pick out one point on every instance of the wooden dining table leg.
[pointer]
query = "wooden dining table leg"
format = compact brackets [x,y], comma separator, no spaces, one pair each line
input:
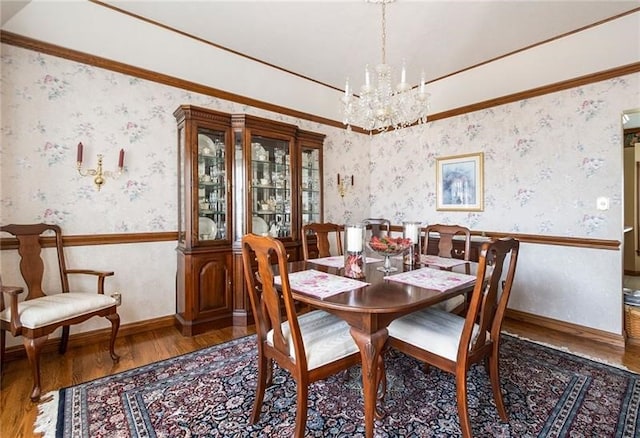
[371,346]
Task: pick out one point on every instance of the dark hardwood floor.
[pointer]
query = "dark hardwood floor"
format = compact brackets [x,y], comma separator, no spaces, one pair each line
[18,414]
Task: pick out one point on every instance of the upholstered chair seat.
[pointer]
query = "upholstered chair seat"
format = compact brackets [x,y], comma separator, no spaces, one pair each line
[434,330]
[325,337]
[52,309]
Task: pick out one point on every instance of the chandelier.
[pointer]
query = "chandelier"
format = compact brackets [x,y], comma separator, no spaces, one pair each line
[381,105]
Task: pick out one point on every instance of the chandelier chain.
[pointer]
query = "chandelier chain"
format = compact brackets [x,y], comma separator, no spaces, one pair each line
[384,34]
[380,104]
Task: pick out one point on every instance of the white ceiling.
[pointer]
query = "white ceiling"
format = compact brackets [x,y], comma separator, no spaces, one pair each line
[324,41]
[327,41]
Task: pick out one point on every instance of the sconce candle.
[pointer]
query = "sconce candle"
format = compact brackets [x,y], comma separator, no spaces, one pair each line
[99,174]
[342,185]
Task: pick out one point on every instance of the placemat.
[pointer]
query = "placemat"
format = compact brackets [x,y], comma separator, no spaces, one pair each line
[430,278]
[338,261]
[320,284]
[442,262]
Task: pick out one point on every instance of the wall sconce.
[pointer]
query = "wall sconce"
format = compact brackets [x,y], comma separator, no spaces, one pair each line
[343,184]
[98,174]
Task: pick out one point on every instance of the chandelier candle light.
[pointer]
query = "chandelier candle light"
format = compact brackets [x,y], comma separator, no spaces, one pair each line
[411,231]
[380,105]
[98,174]
[353,251]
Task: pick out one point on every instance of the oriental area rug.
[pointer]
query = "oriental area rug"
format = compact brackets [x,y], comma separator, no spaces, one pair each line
[210,393]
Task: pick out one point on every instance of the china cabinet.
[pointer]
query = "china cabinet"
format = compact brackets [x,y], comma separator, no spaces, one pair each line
[204,274]
[269,175]
[237,174]
[311,182]
[281,167]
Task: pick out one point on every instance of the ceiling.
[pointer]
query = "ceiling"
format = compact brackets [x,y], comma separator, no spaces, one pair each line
[328,41]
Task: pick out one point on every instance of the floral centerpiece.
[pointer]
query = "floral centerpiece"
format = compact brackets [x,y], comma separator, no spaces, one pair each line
[388,247]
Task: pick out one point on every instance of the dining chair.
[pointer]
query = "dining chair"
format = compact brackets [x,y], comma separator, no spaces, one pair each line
[40,313]
[378,227]
[311,346]
[452,342]
[446,235]
[327,235]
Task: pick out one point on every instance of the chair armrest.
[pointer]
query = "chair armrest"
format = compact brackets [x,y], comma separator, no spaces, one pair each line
[90,272]
[13,292]
[100,274]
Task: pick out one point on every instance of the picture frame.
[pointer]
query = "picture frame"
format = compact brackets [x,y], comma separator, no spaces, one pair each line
[460,182]
[631,137]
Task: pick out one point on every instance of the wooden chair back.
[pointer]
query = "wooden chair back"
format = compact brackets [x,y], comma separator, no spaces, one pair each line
[445,243]
[325,233]
[268,303]
[379,227]
[32,266]
[488,304]
[329,344]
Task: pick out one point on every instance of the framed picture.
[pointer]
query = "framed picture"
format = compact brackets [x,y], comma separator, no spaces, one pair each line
[631,137]
[460,182]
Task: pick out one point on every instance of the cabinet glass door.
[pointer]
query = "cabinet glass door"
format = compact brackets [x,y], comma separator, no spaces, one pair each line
[212,185]
[311,186]
[270,187]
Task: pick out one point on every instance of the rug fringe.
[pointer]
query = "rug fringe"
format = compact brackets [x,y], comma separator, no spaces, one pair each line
[567,350]
[47,415]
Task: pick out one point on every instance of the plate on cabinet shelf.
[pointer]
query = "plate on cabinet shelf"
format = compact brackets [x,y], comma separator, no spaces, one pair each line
[205,144]
[259,226]
[207,228]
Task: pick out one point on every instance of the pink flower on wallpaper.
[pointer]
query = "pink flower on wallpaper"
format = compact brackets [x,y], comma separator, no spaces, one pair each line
[54,87]
[523,145]
[54,153]
[54,216]
[134,189]
[134,131]
[591,165]
[591,223]
[523,196]
[589,108]
[472,131]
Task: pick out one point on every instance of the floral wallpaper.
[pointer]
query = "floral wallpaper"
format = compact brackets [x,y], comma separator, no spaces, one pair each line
[546,160]
[49,105]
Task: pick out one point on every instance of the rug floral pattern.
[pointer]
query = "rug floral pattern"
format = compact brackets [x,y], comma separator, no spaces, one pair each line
[210,393]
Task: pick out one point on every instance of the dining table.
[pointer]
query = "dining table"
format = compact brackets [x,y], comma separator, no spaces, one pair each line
[371,303]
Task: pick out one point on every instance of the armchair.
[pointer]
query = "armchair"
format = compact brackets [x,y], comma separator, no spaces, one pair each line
[40,313]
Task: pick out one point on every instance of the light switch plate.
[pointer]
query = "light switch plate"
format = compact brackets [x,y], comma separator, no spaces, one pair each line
[602,203]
